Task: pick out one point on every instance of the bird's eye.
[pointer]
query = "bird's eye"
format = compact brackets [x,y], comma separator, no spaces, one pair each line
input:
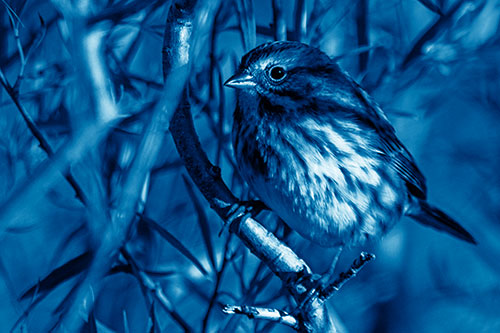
[277,73]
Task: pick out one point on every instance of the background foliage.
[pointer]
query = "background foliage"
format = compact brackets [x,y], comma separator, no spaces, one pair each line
[433,65]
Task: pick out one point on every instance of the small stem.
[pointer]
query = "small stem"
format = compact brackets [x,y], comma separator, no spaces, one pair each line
[356,266]
[15,28]
[273,315]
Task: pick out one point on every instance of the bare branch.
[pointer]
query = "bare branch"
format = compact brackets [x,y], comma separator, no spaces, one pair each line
[356,266]
[273,315]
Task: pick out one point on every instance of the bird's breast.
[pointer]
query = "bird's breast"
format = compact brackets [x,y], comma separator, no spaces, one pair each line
[317,178]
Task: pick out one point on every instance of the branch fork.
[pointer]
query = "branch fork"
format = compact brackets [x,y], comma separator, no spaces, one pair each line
[313,296]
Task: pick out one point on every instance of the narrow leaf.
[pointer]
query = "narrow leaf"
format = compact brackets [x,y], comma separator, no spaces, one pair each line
[62,273]
[174,242]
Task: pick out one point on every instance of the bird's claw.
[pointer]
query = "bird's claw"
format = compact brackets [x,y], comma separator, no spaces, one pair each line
[242,210]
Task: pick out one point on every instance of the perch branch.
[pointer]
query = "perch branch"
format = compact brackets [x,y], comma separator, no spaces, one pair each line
[279,258]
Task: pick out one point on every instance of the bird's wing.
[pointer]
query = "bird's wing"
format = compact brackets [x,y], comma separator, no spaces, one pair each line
[399,157]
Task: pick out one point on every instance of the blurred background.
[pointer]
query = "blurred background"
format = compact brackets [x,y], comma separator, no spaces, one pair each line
[433,65]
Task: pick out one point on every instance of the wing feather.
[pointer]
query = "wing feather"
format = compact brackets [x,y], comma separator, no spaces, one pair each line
[398,156]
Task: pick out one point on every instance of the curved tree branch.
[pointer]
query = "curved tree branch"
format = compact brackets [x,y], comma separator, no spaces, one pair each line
[179,37]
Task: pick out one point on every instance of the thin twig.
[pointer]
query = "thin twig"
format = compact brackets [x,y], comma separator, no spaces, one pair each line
[10,10]
[356,266]
[32,47]
[218,280]
[15,28]
[273,315]
[9,59]
[44,144]
[156,290]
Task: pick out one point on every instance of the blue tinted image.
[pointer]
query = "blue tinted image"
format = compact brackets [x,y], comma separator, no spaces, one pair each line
[250,166]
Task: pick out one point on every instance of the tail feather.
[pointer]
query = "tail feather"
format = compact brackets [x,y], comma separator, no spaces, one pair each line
[437,219]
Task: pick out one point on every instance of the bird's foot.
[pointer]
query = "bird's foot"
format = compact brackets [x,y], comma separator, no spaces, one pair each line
[320,282]
[254,206]
[307,286]
[242,210]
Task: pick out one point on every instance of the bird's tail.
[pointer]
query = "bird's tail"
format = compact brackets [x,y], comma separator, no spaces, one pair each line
[435,218]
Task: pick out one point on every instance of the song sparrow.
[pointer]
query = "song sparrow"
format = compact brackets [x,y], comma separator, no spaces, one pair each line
[318,150]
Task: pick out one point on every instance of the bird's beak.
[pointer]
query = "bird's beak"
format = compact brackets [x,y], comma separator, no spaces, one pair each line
[241,80]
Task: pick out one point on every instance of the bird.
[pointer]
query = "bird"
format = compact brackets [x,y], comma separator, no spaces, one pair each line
[318,150]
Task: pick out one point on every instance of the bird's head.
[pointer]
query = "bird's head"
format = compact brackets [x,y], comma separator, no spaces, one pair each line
[285,73]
